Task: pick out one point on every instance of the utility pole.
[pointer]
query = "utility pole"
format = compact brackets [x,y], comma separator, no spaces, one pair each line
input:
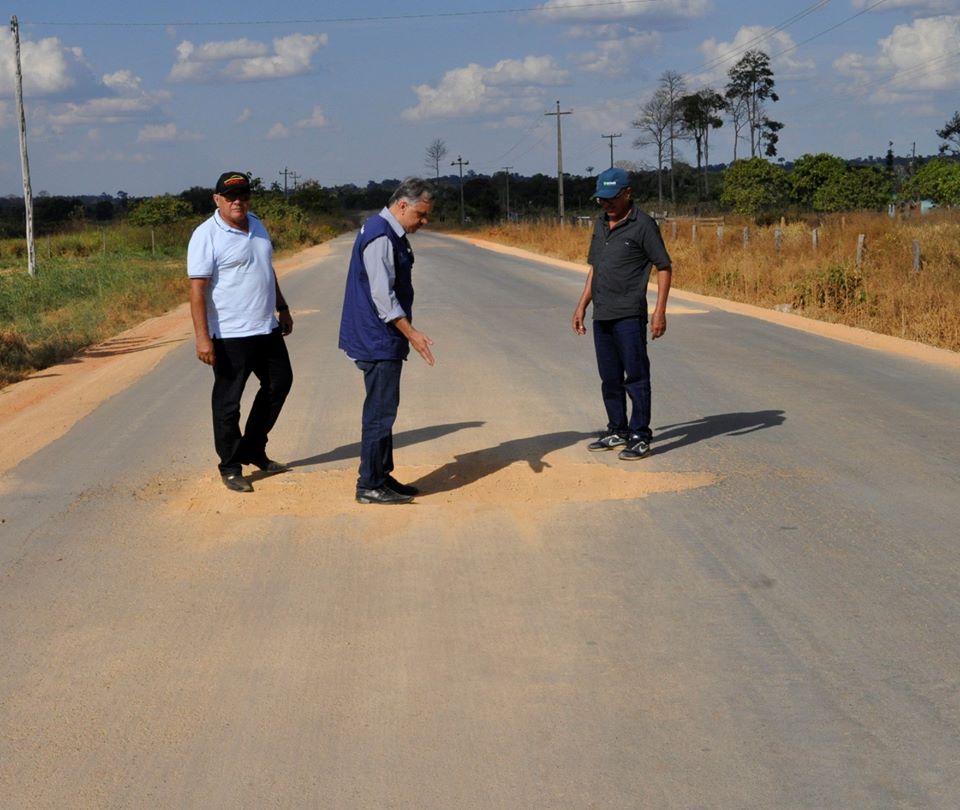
[461,163]
[559,160]
[286,173]
[610,138]
[506,174]
[295,177]
[24,160]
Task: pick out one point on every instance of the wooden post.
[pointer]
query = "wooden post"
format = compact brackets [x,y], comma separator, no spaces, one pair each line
[693,232]
[673,230]
[746,237]
[917,264]
[719,233]
[24,159]
[778,239]
[861,249]
[815,236]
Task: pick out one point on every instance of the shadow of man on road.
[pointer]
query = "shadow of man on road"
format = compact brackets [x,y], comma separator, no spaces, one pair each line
[404,439]
[470,467]
[721,424]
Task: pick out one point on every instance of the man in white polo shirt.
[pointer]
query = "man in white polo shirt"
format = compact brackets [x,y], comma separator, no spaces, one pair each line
[234,296]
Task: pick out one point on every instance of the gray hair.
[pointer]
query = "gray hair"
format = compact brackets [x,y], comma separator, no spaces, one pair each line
[413,189]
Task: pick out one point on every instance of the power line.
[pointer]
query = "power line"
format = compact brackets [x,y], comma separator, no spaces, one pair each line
[540,10]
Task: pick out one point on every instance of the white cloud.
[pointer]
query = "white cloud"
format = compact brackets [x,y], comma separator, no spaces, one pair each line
[315,121]
[244,60]
[719,57]
[101,111]
[910,60]
[598,10]
[474,90]
[615,54]
[277,132]
[48,66]
[245,116]
[165,133]
[124,83]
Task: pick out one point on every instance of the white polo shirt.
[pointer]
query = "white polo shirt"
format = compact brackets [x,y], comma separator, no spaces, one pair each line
[242,294]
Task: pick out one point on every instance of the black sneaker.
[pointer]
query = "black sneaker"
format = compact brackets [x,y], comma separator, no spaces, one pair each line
[635,450]
[382,495]
[607,442]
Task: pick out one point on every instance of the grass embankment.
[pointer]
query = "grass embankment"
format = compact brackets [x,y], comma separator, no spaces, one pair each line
[94,283]
[882,294]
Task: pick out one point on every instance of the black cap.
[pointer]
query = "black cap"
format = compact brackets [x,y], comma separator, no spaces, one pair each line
[233,183]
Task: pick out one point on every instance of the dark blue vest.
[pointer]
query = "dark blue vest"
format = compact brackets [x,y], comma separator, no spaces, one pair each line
[363,336]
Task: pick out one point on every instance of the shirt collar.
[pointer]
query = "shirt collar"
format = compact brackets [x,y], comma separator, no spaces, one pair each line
[397,227]
[223,225]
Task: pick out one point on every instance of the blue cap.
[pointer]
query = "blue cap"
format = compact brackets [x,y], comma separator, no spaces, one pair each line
[611,182]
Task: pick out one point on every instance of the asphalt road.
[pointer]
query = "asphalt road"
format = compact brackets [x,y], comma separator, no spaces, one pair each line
[762,614]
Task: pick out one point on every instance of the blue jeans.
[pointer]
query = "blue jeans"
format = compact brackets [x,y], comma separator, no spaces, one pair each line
[381,378]
[624,367]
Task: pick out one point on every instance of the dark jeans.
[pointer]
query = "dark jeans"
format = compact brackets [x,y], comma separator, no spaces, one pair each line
[381,378]
[264,356]
[624,368]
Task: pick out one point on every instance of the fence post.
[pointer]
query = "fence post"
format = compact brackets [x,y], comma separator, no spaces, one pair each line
[815,236]
[719,233]
[917,263]
[693,232]
[861,249]
[153,243]
[778,239]
[673,230]
[746,237]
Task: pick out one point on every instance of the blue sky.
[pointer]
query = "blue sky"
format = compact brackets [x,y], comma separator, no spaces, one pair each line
[155,98]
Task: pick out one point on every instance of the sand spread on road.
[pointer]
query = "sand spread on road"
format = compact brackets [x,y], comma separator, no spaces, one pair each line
[456,488]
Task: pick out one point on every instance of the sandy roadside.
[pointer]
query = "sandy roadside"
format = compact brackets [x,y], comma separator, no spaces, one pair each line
[43,407]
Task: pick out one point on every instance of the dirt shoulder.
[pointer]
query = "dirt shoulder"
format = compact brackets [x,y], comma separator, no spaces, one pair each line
[834,331]
[72,389]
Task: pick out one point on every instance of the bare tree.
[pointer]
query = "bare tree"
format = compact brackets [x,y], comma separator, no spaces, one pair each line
[737,109]
[673,86]
[436,151]
[654,126]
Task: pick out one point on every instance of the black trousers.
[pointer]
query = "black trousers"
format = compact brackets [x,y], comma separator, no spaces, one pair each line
[264,356]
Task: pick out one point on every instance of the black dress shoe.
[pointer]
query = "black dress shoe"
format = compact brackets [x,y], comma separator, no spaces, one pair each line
[382,494]
[403,489]
[236,483]
[269,465]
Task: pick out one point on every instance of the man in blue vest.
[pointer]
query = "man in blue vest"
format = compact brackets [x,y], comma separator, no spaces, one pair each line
[376,331]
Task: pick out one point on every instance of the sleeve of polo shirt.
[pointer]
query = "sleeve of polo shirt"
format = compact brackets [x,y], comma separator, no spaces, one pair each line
[200,255]
[654,248]
[378,262]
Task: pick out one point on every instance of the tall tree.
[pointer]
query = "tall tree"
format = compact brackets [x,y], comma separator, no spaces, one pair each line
[654,126]
[673,86]
[699,114]
[951,136]
[436,151]
[751,81]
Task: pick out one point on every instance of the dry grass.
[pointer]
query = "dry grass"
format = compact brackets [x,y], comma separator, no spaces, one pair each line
[883,294]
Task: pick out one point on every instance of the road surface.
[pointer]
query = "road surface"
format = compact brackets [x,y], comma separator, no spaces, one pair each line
[762,614]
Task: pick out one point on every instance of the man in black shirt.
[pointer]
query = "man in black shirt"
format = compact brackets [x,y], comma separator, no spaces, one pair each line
[626,244]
